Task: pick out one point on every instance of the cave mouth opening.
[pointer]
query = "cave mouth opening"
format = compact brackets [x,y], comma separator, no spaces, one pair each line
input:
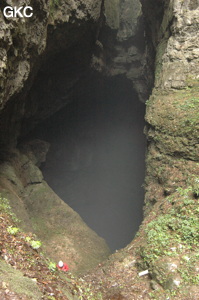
[96,161]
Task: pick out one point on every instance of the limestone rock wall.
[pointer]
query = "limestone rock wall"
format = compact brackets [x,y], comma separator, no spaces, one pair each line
[24,45]
[102,36]
[179,58]
[22,41]
[172,161]
[172,110]
[121,48]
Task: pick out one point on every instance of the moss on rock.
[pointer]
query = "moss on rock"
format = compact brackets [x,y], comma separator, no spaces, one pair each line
[16,282]
[170,250]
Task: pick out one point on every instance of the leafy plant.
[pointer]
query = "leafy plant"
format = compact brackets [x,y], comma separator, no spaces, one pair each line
[53,5]
[12,230]
[35,244]
[5,207]
[174,234]
[56,2]
[4,204]
[52,266]
[178,226]
[84,292]
[27,239]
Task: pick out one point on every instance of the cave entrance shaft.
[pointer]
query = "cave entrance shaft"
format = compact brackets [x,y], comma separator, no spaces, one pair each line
[96,159]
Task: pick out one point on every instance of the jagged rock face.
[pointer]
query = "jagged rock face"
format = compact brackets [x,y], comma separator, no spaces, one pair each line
[22,42]
[94,35]
[172,112]
[121,48]
[52,29]
[179,56]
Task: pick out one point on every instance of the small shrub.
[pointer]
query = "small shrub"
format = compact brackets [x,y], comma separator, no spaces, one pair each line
[4,204]
[53,5]
[27,239]
[35,244]
[12,230]
[178,226]
[6,208]
[52,266]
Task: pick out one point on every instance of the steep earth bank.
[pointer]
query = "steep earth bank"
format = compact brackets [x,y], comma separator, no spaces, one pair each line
[26,45]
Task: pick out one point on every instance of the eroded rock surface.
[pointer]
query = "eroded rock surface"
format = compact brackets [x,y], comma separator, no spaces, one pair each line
[24,41]
[120,46]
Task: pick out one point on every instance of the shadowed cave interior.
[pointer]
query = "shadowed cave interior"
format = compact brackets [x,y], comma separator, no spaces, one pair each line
[96,160]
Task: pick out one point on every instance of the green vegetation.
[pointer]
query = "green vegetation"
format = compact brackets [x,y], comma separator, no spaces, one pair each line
[187,270]
[18,248]
[51,298]
[160,52]
[13,230]
[34,244]
[54,5]
[5,207]
[56,2]
[173,238]
[84,292]
[180,226]
[52,266]
[175,113]
[172,234]
[189,109]
[18,283]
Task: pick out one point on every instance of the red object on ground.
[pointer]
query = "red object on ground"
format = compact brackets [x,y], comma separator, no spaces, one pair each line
[64,268]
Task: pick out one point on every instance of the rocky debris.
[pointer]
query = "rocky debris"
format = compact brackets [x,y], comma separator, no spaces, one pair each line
[119,277]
